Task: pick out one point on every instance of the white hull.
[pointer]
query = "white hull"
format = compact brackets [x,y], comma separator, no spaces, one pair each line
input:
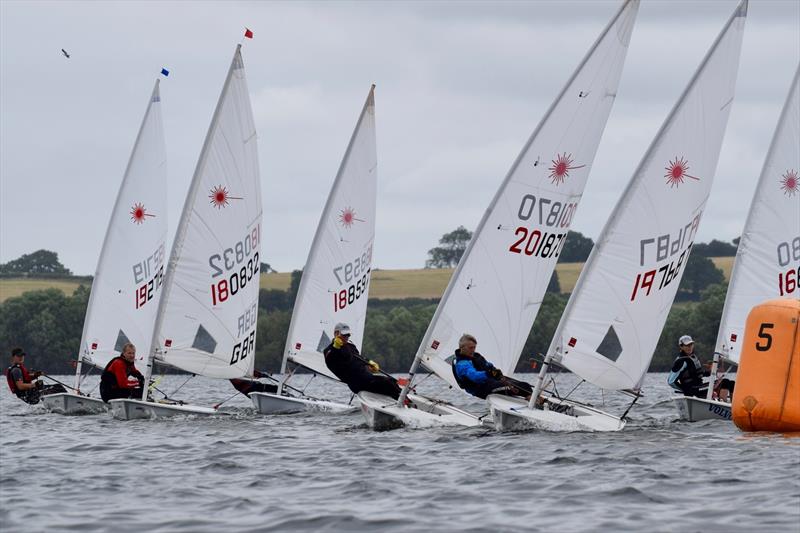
[276,404]
[66,403]
[382,413]
[125,409]
[695,409]
[513,414]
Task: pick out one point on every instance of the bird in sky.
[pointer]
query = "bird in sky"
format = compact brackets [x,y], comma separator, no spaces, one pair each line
[65,53]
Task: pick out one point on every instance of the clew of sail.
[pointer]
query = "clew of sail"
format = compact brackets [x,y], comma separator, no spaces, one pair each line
[614,318]
[127,283]
[335,283]
[498,286]
[768,259]
[208,313]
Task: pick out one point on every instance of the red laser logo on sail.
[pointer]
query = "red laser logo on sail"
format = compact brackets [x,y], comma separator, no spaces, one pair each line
[676,172]
[220,197]
[789,182]
[138,213]
[347,216]
[561,165]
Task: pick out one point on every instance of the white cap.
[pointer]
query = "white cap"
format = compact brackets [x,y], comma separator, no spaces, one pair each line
[342,328]
[686,339]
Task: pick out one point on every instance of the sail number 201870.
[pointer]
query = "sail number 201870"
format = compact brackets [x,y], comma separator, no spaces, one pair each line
[237,266]
[550,214]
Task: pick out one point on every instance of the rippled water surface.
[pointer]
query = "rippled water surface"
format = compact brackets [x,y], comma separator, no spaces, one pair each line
[241,471]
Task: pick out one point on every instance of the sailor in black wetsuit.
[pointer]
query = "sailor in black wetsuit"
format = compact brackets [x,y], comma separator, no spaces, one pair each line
[687,371]
[479,377]
[246,385]
[343,359]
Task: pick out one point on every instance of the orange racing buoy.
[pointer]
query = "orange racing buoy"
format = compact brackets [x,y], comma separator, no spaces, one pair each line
[767,392]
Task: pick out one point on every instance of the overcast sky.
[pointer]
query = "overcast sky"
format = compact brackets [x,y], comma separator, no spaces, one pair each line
[460,87]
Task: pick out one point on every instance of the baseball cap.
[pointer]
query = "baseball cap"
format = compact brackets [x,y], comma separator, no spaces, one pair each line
[686,339]
[18,352]
[342,328]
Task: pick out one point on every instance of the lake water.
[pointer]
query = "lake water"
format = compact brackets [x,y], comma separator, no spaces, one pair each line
[322,472]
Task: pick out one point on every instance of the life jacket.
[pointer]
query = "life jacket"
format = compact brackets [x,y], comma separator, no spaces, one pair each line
[108,380]
[478,361]
[26,377]
[692,375]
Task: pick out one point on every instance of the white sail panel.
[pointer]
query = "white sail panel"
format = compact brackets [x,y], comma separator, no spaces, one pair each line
[499,284]
[335,283]
[768,259]
[614,318]
[207,321]
[127,283]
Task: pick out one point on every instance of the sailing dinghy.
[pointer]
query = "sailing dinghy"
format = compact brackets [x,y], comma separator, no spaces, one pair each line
[498,286]
[612,322]
[206,320]
[335,283]
[127,282]
[768,259]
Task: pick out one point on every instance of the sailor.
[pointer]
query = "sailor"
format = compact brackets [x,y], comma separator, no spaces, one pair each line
[24,383]
[481,378]
[246,386]
[120,378]
[687,370]
[343,359]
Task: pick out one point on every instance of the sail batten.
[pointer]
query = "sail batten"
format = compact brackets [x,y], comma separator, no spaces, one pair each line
[207,317]
[633,273]
[127,284]
[498,286]
[335,281]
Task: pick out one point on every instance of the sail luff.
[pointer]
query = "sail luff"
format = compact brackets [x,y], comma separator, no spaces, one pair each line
[180,232]
[603,368]
[317,271]
[437,364]
[724,345]
[99,272]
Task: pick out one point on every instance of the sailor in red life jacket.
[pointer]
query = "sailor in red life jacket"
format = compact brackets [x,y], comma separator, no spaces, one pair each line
[120,378]
[23,382]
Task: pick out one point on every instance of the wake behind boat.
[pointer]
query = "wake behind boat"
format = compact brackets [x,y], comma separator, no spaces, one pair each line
[206,321]
[123,300]
[612,322]
[499,284]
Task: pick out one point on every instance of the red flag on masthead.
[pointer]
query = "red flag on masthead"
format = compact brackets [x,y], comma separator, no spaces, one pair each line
[248,33]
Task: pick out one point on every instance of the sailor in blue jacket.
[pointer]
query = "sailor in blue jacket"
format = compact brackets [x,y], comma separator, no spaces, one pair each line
[479,377]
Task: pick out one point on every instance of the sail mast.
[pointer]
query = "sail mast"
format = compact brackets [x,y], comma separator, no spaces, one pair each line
[327,213]
[180,233]
[757,274]
[588,365]
[155,97]
[602,101]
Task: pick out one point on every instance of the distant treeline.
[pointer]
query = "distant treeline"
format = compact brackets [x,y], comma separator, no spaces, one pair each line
[48,325]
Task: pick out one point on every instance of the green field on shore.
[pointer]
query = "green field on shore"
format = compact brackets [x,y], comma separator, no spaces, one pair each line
[386,284]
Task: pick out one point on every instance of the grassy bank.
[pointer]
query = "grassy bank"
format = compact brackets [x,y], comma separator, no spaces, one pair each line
[386,284]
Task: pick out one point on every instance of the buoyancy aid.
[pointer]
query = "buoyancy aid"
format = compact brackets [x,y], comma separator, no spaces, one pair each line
[26,377]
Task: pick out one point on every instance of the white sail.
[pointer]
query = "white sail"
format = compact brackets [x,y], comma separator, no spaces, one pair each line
[207,317]
[335,283]
[614,318]
[127,283]
[498,286]
[768,259]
